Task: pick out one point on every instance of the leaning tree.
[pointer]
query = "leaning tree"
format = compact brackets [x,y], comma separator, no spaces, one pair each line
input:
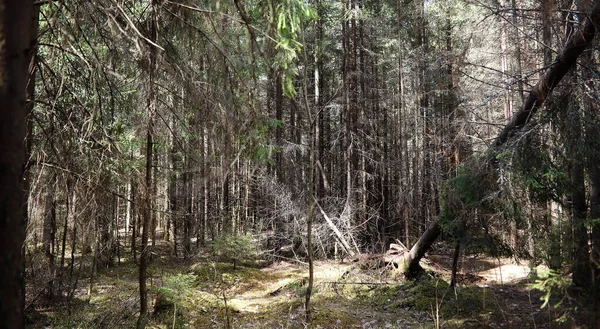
[562,64]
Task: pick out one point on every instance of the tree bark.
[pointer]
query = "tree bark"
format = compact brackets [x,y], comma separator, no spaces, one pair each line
[563,62]
[412,258]
[455,264]
[15,36]
[147,198]
[49,233]
[144,254]
[187,217]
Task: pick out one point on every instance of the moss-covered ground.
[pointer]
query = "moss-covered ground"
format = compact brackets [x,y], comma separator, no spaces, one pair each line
[200,293]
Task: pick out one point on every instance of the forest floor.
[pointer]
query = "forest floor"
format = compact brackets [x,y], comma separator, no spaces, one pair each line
[491,293]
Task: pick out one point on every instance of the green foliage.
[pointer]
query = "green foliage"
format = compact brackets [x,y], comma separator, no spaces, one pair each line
[470,185]
[467,204]
[461,195]
[538,169]
[174,290]
[552,283]
[592,222]
[429,294]
[176,285]
[298,288]
[234,248]
[289,17]
[255,141]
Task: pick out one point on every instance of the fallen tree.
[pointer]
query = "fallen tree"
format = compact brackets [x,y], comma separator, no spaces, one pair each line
[563,63]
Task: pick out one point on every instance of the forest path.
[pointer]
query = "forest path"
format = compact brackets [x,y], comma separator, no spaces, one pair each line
[284,281]
[480,270]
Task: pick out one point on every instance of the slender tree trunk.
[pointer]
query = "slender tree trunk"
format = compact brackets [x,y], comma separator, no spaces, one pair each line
[69,207]
[187,217]
[595,253]
[135,218]
[581,266]
[425,192]
[115,230]
[517,44]
[504,66]
[205,185]
[546,30]
[72,285]
[225,206]
[49,233]
[172,188]
[144,254]
[455,264]
[574,132]
[147,199]
[309,222]
[312,124]
[278,95]
[593,261]
[554,229]
[129,207]
[104,249]
[154,214]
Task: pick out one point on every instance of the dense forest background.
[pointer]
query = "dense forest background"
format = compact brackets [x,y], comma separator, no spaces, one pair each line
[323,129]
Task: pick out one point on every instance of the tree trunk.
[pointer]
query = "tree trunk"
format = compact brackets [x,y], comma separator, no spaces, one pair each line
[147,198]
[69,208]
[134,225]
[595,254]
[518,70]
[412,258]
[16,37]
[187,217]
[172,190]
[49,233]
[154,214]
[455,264]
[144,254]
[309,222]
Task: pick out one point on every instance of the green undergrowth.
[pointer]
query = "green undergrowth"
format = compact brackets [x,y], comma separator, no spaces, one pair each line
[433,298]
[209,294]
[223,275]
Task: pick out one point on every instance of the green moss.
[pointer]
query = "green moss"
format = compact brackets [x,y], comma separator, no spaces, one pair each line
[433,296]
[329,317]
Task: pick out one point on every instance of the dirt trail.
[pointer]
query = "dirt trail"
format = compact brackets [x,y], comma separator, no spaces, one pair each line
[481,270]
[286,280]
